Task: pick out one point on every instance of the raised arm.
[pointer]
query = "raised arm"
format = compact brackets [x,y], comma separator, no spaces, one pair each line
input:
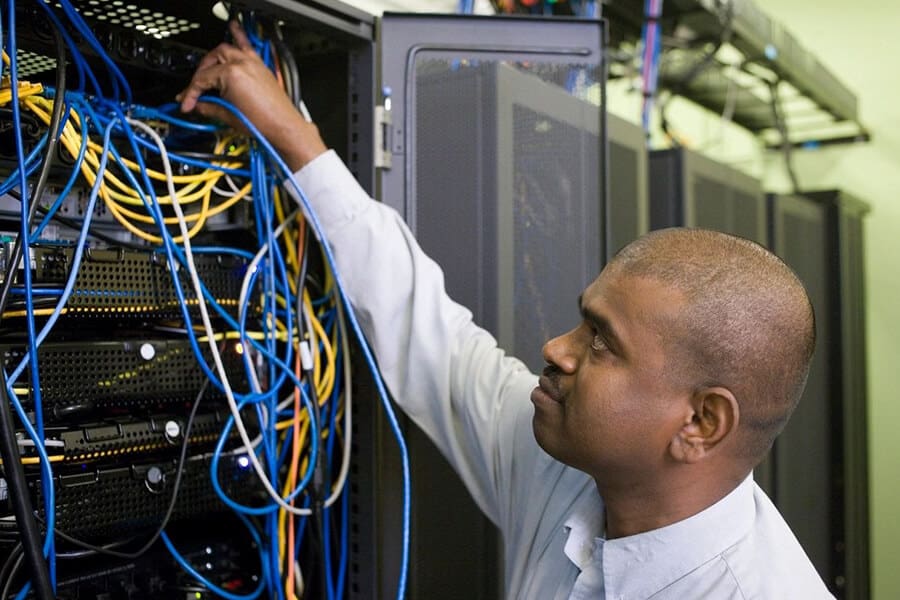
[445,372]
[239,75]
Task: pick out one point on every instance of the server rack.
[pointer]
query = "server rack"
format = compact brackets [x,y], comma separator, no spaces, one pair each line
[628,204]
[689,190]
[344,56]
[816,472]
[820,464]
[497,163]
[115,389]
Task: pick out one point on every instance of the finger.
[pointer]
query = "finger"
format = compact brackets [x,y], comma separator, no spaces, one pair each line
[203,80]
[239,35]
[222,53]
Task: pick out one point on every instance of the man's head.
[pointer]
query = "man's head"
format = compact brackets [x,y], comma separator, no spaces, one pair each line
[693,344]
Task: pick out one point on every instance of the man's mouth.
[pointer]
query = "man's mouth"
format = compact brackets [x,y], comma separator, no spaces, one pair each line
[547,389]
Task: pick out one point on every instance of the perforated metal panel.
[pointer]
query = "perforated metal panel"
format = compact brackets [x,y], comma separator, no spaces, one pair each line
[118,501]
[508,181]
[29,63]
[115,377]
[117,283]
[149,21]
[556,233]
[484,188]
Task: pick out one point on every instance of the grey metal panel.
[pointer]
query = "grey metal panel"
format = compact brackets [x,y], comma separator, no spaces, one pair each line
[803,451]
[401,37]
[628,204]
[667,194]
[456,90]
[849,462]
[740,207]
[854,412]
[689,190]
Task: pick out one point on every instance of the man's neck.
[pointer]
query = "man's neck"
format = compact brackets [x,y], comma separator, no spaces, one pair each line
[635,509]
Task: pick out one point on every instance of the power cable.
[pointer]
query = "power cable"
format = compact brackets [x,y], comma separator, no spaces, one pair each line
[680,86]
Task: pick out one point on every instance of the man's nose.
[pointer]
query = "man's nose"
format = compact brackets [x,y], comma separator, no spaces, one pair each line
[560,352]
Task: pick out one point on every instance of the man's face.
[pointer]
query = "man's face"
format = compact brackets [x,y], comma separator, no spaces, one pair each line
[608,403]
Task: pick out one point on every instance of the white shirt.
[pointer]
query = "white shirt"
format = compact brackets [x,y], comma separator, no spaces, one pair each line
[474,401]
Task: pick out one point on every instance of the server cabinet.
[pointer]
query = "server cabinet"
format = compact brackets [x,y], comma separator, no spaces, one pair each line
[689,190]
[108,371]
[628,205]
[820,461]
[496,153]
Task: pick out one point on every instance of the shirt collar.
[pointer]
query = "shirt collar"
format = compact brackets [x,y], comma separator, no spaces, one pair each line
[637,566]
[584,525]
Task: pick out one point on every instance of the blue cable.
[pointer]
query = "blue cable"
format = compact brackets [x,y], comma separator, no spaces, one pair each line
[32,162]
[76,168]
[222,250]
[78,255]
[163,113]
[357,330]
[46,485]
[35,292]
[173,251]
[89,37]
[345,542]
[274,266]
[84,71]
[272,506]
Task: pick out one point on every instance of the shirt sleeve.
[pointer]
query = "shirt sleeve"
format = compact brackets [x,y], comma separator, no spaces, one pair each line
[445,372]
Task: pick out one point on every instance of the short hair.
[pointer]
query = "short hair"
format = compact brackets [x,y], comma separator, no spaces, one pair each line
[747,323]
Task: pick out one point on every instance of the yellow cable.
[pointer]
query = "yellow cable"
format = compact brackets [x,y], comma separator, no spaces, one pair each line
[36,460]
[190,193]
[38,312]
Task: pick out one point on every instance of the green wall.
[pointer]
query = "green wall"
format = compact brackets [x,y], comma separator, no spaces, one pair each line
[858,41]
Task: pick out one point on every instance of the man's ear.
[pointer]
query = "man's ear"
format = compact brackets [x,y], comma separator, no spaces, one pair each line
[713,414]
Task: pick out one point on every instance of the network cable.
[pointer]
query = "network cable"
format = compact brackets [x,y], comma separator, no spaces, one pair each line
[297,445]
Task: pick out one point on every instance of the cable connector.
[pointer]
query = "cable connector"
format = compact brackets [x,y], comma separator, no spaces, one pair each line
[306,360]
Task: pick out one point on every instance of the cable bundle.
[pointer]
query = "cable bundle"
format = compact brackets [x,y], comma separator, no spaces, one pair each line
[292,408]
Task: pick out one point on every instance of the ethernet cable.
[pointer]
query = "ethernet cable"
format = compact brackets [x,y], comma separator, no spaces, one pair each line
[217,359]
[367,352]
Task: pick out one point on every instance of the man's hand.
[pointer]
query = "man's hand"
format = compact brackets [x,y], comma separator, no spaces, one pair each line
[242,79]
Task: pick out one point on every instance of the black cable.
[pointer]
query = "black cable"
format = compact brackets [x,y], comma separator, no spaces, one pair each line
[9,449]
[289,69]
[7,587]
[781,125]
[698,67]
[172,501]
[14,555]
[85,553]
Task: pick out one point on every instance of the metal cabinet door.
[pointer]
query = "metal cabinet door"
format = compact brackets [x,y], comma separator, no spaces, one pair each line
[495,156]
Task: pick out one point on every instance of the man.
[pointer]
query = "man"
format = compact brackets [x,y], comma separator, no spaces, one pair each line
[628,475]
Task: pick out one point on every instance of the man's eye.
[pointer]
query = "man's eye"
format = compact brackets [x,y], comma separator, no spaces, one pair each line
[598,343]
